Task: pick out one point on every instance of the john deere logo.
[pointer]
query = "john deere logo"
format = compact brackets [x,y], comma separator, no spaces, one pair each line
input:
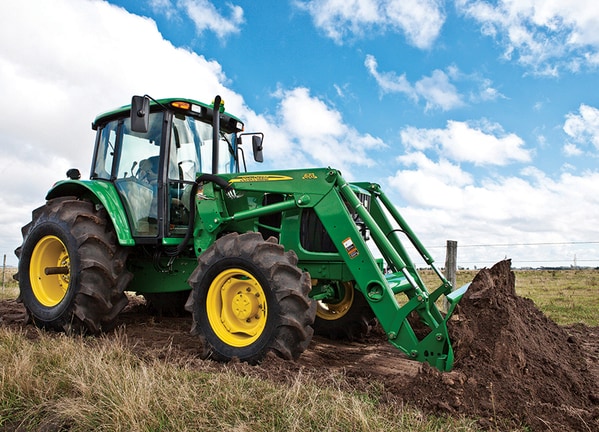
[259,178]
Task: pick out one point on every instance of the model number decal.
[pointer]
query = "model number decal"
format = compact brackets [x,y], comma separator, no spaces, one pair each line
[351,249]
[259,178]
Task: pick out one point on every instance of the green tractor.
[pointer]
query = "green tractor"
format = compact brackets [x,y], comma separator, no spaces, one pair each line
[262,260]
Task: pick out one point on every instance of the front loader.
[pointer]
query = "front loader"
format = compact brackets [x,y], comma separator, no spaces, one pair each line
[262,260]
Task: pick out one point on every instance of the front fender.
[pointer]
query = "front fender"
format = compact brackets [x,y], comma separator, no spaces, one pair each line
[100,192]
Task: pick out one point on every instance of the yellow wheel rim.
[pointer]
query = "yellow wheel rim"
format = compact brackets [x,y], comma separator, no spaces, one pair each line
[334,311]
[236,307]
[49,271]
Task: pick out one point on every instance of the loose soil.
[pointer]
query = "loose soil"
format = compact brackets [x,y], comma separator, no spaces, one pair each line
[514,367]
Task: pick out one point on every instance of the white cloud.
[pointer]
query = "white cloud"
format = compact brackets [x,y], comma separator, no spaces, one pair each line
[430,184]
[73,60]
[436,90]
[419,20]
[441,202]
[389,82]
[321,133]
[583,127]
[570,149]
[164,7]
[483,144]
[486,92]
[543,35]
[206,17]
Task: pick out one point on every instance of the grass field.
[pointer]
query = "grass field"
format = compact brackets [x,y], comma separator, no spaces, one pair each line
[565,296]
[83,384]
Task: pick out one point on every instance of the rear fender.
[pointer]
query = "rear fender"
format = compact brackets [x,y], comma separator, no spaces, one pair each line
[99,192]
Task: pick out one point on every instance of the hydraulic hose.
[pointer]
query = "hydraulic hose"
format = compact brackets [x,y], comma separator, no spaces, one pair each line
[204,178]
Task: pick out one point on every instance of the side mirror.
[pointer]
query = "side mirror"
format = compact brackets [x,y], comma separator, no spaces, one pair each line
[140,114]
[257,148]
[74,174]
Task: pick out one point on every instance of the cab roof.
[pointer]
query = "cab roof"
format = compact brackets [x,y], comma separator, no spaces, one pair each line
[229,122]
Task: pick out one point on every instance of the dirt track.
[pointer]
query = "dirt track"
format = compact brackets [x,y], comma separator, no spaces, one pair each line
[512,363]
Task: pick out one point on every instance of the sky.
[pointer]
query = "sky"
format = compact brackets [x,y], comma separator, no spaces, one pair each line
[478,118]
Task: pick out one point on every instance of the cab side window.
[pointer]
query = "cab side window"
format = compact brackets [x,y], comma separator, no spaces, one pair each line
[105,153]
[137,172]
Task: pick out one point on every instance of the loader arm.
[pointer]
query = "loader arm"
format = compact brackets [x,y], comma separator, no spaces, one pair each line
[395,295]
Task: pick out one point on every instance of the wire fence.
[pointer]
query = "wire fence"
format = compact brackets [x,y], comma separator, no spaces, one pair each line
[530,254]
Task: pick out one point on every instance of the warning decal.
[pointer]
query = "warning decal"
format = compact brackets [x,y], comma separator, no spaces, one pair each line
[351,249]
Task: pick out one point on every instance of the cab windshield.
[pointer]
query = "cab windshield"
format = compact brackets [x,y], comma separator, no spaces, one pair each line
[191,141]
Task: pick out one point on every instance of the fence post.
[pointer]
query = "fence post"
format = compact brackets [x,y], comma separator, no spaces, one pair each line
[451,266]
[3,271]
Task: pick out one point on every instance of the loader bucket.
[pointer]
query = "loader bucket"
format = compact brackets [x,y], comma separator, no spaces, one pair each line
[422,329]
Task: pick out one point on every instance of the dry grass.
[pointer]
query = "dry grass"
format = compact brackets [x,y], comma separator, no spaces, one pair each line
[77,384]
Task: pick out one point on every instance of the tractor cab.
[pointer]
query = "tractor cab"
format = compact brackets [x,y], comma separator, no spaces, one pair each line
[153,151]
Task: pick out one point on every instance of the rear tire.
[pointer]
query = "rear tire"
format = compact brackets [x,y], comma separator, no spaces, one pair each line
[76,243]
[249,298]
[349,318]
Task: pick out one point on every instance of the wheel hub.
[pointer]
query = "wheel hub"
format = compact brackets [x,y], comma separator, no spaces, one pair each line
[49,271]
[245,306]
[236,307]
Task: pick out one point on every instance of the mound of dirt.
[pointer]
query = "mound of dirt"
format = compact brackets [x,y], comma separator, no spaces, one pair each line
[514,367]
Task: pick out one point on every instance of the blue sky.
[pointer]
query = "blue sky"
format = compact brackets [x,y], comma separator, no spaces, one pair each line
[479,118]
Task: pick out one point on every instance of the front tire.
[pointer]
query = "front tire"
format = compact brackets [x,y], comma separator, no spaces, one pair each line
[72,274]
[249,298]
